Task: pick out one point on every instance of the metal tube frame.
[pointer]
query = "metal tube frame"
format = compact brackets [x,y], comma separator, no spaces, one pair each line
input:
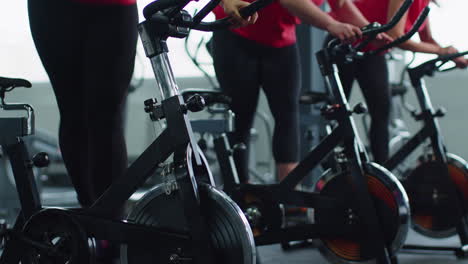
[175,139]
[431,130]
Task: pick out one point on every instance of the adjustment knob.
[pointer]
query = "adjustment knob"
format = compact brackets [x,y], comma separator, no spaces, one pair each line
[41,160]
[196,103]
[239,146]
[202,144]
[440,112]
[150,104]
[360,108]
[236,148]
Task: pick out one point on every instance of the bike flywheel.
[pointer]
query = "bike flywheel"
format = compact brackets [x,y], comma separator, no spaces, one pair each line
[436,208]
[229,232]
[392,207]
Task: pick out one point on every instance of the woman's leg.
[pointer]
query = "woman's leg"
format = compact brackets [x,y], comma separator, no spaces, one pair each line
[281,82]
[374,82]
[236,66]
[57,29]
[110,48]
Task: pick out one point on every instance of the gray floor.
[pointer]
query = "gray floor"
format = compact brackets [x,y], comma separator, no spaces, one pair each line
[274,254]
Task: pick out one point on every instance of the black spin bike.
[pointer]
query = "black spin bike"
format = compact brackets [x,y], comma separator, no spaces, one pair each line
[360,213]
[436,181]
[184,219]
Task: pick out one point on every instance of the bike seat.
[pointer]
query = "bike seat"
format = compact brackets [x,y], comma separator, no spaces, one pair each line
[398,89]
[211,96]
[6,83]
[311,97]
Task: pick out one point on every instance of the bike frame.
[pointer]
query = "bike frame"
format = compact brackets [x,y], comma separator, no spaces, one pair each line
[284,192]
[431,131]
[177,140]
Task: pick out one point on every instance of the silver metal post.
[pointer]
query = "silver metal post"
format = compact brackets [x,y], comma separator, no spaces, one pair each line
[164,75]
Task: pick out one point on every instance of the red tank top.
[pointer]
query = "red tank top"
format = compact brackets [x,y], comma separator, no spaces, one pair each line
[275,26]
[107,2]
[376,11]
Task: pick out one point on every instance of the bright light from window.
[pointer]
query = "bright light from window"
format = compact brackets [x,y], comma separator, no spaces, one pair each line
[18,56]
[447,24]
[181,63]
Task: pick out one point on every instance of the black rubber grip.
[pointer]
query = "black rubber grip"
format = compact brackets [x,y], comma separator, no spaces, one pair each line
[421,18]
[224,23]
[398,15]
[450,56]
[443,59]
[254,7]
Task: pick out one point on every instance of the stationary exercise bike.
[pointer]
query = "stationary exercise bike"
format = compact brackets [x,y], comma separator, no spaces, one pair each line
[360,213]
[183,219]
[218,118]
[436,181]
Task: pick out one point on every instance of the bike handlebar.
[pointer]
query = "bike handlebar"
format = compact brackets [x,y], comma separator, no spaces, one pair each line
[384,28]
[430,66]
[373,29]
[443,59]
[421,18]
[151,11]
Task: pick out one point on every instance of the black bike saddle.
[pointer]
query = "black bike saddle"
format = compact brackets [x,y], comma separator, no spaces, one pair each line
[6,83]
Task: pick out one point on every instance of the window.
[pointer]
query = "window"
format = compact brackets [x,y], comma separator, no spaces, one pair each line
[18,56]
[447,26]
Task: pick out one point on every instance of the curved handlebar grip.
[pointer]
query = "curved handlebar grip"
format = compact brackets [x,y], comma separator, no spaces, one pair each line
[398,15]
[254,7]
[429,67]
[224,23]
[205,11]
[421,18]
[244,12]
[373,30]
[449,56]
[443,58]
[150,10]
[213,26]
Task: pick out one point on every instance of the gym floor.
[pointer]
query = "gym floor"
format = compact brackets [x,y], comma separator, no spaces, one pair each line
[275,255]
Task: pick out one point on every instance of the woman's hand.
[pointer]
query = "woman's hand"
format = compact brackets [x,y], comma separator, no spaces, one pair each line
[461,62]
[381,40]
[232,7]
[345,32]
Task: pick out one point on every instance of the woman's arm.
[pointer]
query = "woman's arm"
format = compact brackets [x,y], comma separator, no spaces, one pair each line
[427,44]
[347,12]
[399,30]
[425,34]
[309,13]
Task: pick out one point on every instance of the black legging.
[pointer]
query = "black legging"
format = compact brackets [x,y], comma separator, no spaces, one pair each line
[88,52]
[242,67]
[372,76]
